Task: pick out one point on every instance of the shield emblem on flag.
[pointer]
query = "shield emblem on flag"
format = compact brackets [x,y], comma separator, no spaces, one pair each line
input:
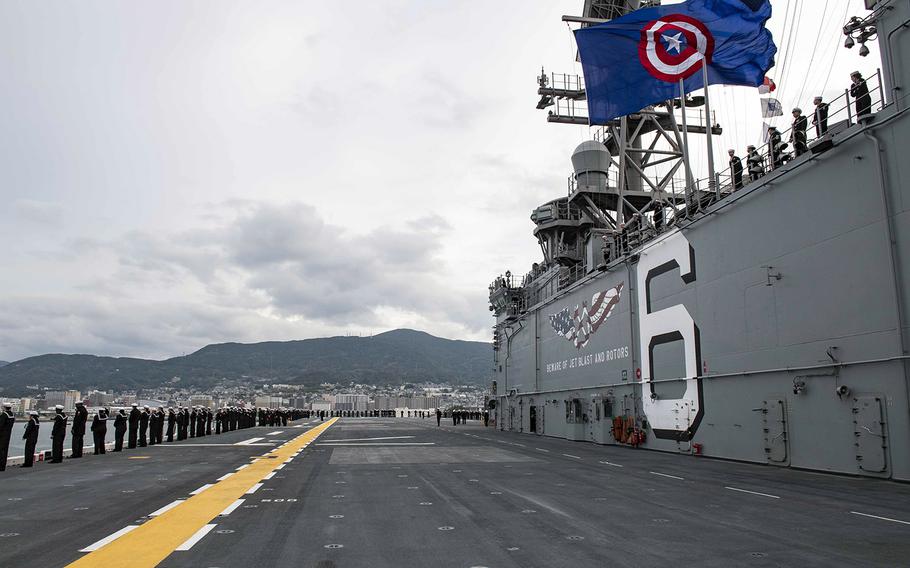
[675,47]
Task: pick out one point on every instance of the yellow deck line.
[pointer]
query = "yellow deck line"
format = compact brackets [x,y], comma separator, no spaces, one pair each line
[157,538]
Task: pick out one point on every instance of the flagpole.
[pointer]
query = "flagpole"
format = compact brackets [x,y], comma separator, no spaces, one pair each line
[685,132]
[712,182]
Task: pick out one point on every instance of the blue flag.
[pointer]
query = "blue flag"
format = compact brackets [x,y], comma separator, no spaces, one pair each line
[638,59]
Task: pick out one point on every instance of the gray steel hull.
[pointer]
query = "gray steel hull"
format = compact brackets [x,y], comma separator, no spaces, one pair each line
[742,326]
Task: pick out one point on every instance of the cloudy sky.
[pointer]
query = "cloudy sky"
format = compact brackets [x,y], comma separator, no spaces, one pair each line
[178,173]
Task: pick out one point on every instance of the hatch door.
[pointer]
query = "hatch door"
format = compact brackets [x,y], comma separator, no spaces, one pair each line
[774,415]
[870,430]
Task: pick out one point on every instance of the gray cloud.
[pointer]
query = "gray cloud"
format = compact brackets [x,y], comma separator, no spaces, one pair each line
[262,271]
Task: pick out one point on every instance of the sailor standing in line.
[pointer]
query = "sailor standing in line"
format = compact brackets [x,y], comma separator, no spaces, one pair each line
[798,132]
[200,422]
[159,431]
[438,417]
[119,429]
[78,431]
[6,431]
[58,433]
[736,169]
[208,422]
[820,120]
[193,422]
[31,438]
[143,426]
[134,426]
[171,422]
[153,425]
[99,430]
[180,432]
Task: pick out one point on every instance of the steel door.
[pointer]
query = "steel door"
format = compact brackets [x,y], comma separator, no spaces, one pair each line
[774,418]
[870,430]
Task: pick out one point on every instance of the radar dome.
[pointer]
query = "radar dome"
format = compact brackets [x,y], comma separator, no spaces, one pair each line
[591,161]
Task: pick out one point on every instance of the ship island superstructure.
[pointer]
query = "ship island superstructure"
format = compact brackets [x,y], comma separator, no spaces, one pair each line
[763,321]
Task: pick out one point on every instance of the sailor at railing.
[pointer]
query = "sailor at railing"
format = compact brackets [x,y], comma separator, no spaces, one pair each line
[755,163]
[736,168]
[820,120]
[775,142]
[860,93]
[798,132]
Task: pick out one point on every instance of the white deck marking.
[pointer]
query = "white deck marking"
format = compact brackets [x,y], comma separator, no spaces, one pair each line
[166,508]
[377,444]
[611,463]
[195,538]
[542,450]
[269,475]
[109,539]
[276,432]
[520,445]
[243,466]
[230,508]
[247,443]
[201,489]
[253,489]
[209,445]
[877,517]
[280,466]
[667,475]
[371,439]
[225,476]
[752,492]
[571,456]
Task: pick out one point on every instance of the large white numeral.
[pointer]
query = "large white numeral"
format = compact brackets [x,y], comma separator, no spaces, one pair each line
[675,419]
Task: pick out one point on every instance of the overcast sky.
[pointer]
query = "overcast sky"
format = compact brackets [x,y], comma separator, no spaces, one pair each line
[178,173]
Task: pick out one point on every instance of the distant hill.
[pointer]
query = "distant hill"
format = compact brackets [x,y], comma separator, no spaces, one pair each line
[2,363]
[394,357]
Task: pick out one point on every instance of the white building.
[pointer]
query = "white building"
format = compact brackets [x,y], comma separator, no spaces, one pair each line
[355,402]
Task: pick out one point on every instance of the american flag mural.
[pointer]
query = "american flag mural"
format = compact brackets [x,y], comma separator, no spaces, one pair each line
[580,325]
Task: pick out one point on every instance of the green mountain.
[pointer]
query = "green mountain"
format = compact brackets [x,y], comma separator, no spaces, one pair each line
[394,357]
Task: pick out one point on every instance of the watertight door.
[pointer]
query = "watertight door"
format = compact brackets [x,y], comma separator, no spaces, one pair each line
[774,414]
[870,430]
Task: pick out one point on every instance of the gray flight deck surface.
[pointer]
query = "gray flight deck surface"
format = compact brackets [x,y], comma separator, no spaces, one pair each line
[460,496]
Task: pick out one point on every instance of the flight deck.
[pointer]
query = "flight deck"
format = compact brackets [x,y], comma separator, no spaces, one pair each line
[400,492]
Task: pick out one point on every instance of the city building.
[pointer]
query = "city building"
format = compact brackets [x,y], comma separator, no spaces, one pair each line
[65,398]
[351,402]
